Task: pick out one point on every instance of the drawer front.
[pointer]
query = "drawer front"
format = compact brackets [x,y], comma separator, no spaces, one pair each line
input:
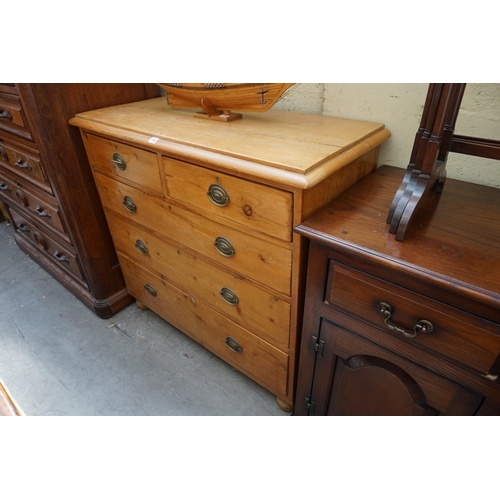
[123,162]
[262,208]
[12,117]
[260,260]
[254,357]
[43,207]
[24,164]
[260,312]
[455,335]
[63,255]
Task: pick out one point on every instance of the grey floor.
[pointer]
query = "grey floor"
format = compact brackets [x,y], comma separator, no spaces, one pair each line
[59,358]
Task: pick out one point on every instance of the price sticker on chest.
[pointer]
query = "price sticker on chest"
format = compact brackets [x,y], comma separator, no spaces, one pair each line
[154,140]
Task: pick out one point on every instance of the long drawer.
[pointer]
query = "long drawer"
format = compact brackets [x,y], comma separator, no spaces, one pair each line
[453,334]
[63,255]
[259,311]
[265,262]
[42,206]
[262,208]
[243,350]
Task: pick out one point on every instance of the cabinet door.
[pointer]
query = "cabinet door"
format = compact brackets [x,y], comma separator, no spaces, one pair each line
[353,376]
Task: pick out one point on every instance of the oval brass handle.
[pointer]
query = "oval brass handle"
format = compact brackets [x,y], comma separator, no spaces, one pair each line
[423,326]
[150,289]
[224,246]
[218,195]
[233,344]
[129,204]
[60,257]
[5,115]
[229,296]
[4,187]
[119,161]
[141,246]
[41,212]
[23,227]
[24,165]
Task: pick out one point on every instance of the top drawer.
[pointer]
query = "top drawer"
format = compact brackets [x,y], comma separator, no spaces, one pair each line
[455,334]
[12,117]
[262,208]
[123,162]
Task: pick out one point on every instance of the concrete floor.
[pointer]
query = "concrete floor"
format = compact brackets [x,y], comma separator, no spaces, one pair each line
[58,358]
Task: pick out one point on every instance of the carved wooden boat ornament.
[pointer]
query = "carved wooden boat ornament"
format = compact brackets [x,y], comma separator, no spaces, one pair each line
[218,100]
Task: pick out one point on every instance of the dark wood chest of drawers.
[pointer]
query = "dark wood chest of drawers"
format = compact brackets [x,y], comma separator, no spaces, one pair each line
[47,186]
[402,328]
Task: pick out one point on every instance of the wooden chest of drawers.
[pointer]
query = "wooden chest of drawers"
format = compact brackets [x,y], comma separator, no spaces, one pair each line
[402,328]
[47,186]
[202,214]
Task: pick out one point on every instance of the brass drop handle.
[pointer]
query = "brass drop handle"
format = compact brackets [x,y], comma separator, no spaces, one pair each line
[23,227]
[129,204]
[119,161]
[224,246]
[24,165]
[229,296]
[5,187]
[41,212]
[60,257]
[218,195]
[150,289]
[141,247]
[5,115]
[423,326]
[233,344]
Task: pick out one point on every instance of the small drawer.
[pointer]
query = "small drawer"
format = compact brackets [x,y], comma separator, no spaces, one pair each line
[430,324]
[261,312]
[41,206]
[24,163]
[260,260]
[254,205]
[12,117]
[123,162]
[240,348]
[62,254]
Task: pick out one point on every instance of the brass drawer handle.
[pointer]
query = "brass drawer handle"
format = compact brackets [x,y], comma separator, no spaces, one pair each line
[233,344]
[119,161]
[4,187]
[218,195]
[24,165]
[23,227]
[229,296]
[60,257]
[423,326]
[5,115]
[141,247]
[150,289]
[41,212]
[224,246]
[129,204]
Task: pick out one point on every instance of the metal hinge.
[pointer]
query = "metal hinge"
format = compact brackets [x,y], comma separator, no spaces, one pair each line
[309,406]
[317,347]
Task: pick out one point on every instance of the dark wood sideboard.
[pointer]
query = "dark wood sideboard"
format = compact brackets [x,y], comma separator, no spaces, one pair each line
[402,328]
[47,185]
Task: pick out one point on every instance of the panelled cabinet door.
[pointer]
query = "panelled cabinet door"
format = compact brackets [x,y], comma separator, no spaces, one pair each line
[353,376]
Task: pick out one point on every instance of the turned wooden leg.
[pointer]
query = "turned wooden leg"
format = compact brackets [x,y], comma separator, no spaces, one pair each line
[283,405]
[140,305]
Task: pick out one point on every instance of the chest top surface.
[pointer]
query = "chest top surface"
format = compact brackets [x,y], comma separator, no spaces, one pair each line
[296,149]
[454,238]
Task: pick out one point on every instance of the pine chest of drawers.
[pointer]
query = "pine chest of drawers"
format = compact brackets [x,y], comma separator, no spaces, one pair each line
[202,214]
